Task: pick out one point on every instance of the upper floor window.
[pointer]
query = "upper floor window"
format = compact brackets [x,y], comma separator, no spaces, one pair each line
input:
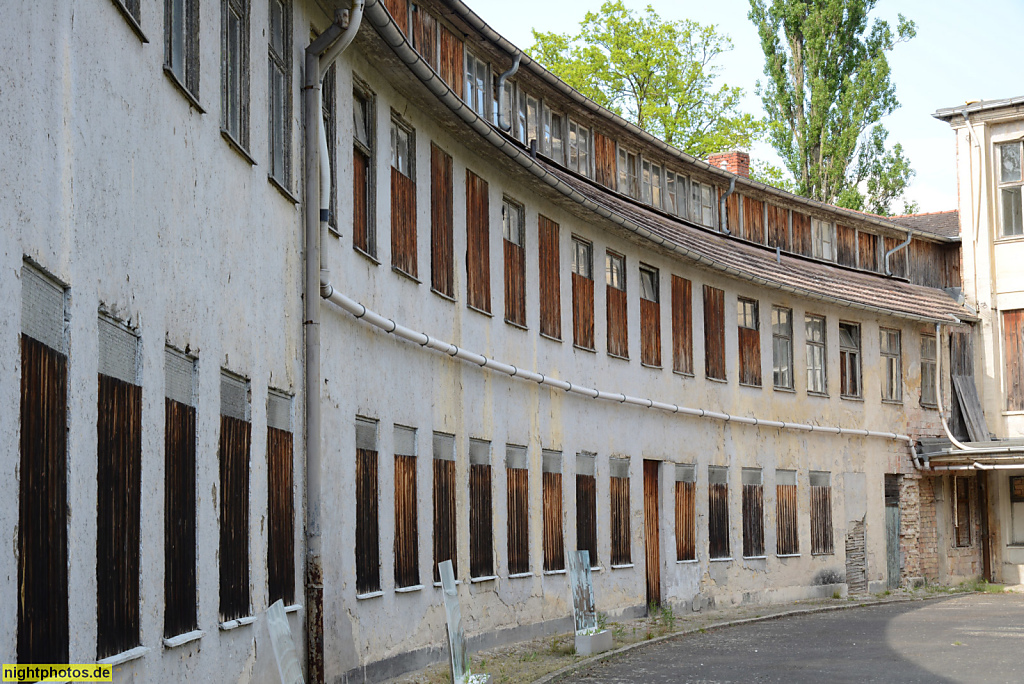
[552,135]
[181,45]
[582,293]
[582,258]
[521,117]
[892,364]
[849,359]
[675,201]
[401,147]
[782,347]
[702,203]
[928,360]
[1010,188]
[532,121]
[651,183]
[512,221]
[823,239]
[515,261]
[615,271]
[477,91]
[579,149]
[749,335]
[364,234]
[629,173]
[235,51]
[279,59]
[814,329]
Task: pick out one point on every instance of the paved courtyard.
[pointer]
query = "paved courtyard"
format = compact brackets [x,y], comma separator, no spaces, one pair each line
[973,638]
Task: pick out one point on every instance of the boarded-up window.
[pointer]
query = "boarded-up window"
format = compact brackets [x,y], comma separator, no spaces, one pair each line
[604,160]
[442,264]
[451,60]
[753,220]
[849,359]
[235,445]
[403,196]
[619,510]
[554,545]
[962,510]
[280,511]
[586,507]
[364,232]
[714,332]
[367,536]
[753,513]
[782,347]
[424,34]
[445,535]
[618,327]
[748,325]
[786,534]
[478,264]
[179,495]
[481,535]
[650,316]
[892,364]
[897,260]
[513,218]
[733,219]
[821,513]
[119,484]
[550,281]
[867,251]
[682,325]
[802,243]
[718,512]
[1013,337]
[778,227]
[42,488]
[686,512]
[399,10]
[846,245]
[407,571]
[518,476]
[814,342]
[582,293]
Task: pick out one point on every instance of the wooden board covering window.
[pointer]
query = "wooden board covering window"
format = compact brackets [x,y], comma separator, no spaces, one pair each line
[518,520]
[235,443]
[478,264]
[424,35]
[42,506]
[481,554]
[650,332]
[786,535]
[445,529]
[750,356]
[846,245]
[753,220]
[682,325]
[962,521]
[280,517]
[360,200]
[732,215]
[554,546]
[367,539]
[1013,337]
[652,533]
[618,326]
[898,261]
[550,283]
[778,227]
[821,520]
[586,516]
[403,222]
[802,243]
[686,521]
[604,160]
[442,221]
[515,283]
[399,10]
[714,332]
[179,518]
[753,520]
[620,521]
[718,520]
[867,251]
[451,67]
[407,571]
[582,311]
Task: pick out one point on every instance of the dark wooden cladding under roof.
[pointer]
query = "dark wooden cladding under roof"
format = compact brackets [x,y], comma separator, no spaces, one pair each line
[280,517]
[586,516]
[452,66]
[235,442]
[424,35]
[604,160]
[481,550]
[802,234]
[442,222]
[118,505]
[753,220]
[367,538]
[403,223]
[714,332]
[618,322]
[898,261]
[686,521]
[554,544]
[934,265]
[750,356]
[550,278]
[620,521]
[515,283]
[42,506]
[821,520]
[682,325]
[718,520]
[582,311]
[407,570]
[652,535]
[399,10]
[732,214]
[867,252]
[360,200]
[1013,341]
[445,525]
[846,246]
[787,536]
[753,520]
[518,520]
[778,227]
[179,518]
[478,264]
[650,332]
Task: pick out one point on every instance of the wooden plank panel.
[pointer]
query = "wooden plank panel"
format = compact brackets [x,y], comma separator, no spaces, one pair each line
[367,536]
[682,325]
[586,516]
[802,234]
[778,227]
[481,550]
[452,57]
[604,160]
[750,356]
[442,222]
[515,283]
[753,220]
[898,261]
[280,517]
[753,520]
[652,534]
[718,520]
[445,527]
[732,214]
[407,571]
[179,518]
[821,520]
[714,332]
[403,223]
[867,252]
[1013,338]
[846,246]
[650,332]
[686,521]
[620,521]
[235,444]
[786,535]
[582,311]
[478,264]
[399,10]
[550,278]
[951,266]
[618,325]
[554,545]
[360,200]
[424,34]
[518,520]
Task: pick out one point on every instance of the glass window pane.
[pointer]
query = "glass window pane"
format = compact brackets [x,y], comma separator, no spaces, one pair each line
[1012,221]
[1009,163]
[277,26]
[177,31]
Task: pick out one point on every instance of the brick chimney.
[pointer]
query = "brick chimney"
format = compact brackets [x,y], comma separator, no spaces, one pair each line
[737,162]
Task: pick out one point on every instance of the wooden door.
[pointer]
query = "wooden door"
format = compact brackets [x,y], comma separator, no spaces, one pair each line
[651,533]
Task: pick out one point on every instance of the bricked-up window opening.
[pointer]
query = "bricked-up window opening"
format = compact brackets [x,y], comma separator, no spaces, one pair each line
[235,445]
[42,487]
[616,309]
[477,92]
[586,506]
[686,512]
[181,43]
[962,510]
[423,34]
[682,325]
[554,544]
[786,533]
[702,203]
[235,71]
[718,512]
[1012,208]
[821,513]
[407,571]
[367,503]
[814,339]
[1013,338]
[513,218]
[403,196]
[478,252]
[621,543]
[650,183]
[280,505]
[714,333]
[481,532]
[629,173]
[279,65]
[929,354]
[579,149]
[823,239]
[550,279]
[650,316]
[442,222]
[1017,509]
[892,364]
[119,484]
[364,194]
[753,513]
[849,360]
[782,347]
[518,479]
[748,330]
[179,494]
[582,293]
[445,526]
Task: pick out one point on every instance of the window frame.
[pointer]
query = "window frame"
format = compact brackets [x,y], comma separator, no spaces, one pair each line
[786,340]
[185,76]
[583,294]
[579,145]
[401,127]
[895,358]
[1011,187]
[280,170]
[823,239]
[928,369]
[811,344]
[627,171]
[362,93]
[514,258]
[477,92]
[850,359]
[239,100]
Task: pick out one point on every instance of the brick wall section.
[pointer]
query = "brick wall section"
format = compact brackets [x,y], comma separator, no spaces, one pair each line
[734,162]
[928,544]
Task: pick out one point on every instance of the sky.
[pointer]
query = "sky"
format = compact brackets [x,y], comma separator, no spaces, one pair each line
[963,51]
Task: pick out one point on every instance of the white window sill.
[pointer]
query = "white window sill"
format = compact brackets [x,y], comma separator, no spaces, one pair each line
[408,590]
[586,349]
[724,381]
[514,324]
[622,566]
[369,595]
[366,255]
[237,147]
[479,311]
[404,274]
[282,189]
[787,555]
[619,357]
[520,575]
[720,560]
[788,390]
[442,295]
[124,657]
[596,569]
[550,337]
[486,578]
[182,639]
[441,586]
[851,397]
[683,373]
[832,553]
[235,624]
[294,608]
[681,562]
[755,558]
[554,572]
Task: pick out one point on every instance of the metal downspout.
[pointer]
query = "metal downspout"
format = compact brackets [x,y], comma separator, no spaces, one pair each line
[502,123]
[902,245]
[722,223]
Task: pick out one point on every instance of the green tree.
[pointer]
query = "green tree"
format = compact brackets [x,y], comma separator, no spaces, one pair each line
[828,85]
[658,74]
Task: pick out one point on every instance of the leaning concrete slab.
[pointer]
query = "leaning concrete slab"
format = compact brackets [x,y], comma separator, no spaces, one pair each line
[456,636]
[590,639]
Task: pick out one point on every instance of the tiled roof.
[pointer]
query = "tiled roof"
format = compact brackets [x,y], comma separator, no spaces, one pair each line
[944,223]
